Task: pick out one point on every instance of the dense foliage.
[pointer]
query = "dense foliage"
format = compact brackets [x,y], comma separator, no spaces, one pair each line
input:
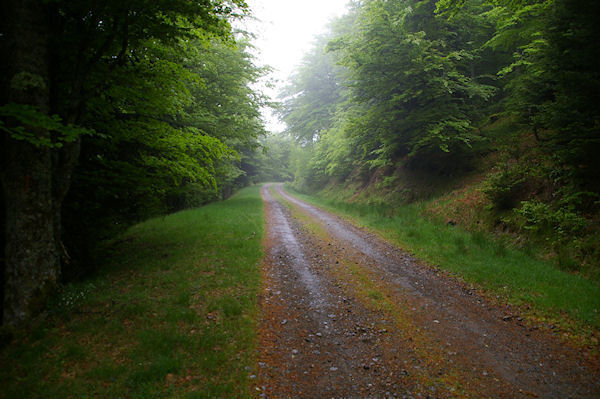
[114,111]
[395,82]
[412,85]
[133,108]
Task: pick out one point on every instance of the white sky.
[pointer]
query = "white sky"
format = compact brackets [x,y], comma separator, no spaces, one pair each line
[285,30]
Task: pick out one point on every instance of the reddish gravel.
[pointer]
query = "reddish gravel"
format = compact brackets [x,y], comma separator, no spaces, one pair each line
[346,315]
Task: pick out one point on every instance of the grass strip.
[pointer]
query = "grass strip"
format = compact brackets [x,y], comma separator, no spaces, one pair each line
[173,313]
[542,292]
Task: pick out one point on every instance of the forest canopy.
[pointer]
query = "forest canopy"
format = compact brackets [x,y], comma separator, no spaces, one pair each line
[401,88]
[113,112]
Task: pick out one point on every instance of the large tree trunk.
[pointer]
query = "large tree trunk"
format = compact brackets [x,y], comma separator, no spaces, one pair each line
[32,266]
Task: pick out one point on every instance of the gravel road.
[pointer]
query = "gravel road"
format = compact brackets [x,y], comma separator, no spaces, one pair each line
[347,315]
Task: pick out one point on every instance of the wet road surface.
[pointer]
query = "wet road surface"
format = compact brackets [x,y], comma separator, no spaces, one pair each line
[346,315]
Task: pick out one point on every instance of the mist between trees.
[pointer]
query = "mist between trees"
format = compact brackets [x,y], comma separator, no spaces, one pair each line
[114,111]
[408,100]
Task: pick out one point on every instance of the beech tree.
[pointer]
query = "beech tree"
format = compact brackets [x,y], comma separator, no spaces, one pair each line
[313,95]
[31,253]
[175,134]
[58,56]
[416,75]
[409,87]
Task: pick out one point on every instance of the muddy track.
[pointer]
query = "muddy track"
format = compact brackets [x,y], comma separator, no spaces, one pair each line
[346,315]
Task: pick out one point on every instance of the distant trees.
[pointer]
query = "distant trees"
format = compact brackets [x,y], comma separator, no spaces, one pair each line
[312,105]
[413,80]
[313,95]
[417,81]
[408,84]
[154,96]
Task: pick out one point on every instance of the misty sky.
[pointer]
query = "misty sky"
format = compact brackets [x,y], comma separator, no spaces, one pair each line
[285,30]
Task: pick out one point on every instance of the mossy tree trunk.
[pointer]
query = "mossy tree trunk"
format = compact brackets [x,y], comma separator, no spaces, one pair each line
[31,256]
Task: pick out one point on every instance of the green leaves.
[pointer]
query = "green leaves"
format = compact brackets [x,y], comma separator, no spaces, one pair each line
[27,123]
[314,94]
[25,80]
[398,81]
[171,94]
[410,72]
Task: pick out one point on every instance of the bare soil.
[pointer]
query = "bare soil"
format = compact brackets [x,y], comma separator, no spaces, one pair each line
[347,315]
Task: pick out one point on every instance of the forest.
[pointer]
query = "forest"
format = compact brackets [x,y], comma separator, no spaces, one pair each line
[113,112]
[422,221]
[485,112]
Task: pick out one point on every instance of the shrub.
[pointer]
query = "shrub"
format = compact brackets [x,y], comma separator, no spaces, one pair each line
[537,216]
[504,188]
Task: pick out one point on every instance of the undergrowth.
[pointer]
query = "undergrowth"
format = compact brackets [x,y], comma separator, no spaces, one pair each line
[172,314]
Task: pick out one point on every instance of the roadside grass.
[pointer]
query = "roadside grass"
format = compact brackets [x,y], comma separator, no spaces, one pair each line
[173,313]
[542,292]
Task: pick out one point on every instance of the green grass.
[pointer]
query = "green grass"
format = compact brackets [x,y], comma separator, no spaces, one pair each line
[507,273]
[173,313]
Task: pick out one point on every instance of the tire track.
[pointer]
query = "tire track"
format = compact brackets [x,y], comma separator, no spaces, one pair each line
[347,315]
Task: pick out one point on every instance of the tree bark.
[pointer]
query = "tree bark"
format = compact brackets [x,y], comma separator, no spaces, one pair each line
[64,161]
[31,258]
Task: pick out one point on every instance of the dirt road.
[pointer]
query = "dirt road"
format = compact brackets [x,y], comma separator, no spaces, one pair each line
[346,315]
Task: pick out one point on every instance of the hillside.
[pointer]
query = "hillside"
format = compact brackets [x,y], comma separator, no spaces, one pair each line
[483,111]
[505,190]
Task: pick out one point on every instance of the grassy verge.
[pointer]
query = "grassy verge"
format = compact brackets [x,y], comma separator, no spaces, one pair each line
[172,314]
[543,293]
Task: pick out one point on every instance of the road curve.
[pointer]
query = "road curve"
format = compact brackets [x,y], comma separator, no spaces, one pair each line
[345,314]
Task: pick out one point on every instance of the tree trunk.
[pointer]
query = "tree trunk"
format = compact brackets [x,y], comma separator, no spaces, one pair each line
[64,161]
[32,267]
